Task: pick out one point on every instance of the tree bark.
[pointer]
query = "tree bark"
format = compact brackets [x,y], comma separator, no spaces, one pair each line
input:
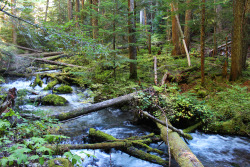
[237,40]
[82,11]
[94,107]
[46,11]
[178,49]
[95,19]
[77,13]
[246,32]
[188,17]
[132,40]
[9,101]
[203,42]
[180,151]
[155,69]
[184,46]
[70,15]
[13,12]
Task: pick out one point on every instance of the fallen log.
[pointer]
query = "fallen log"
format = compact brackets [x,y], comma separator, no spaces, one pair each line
[94,107]
[43,54]
[54,62]
[23,48]
[179,131]
[180,151]
[56,57]
[219,47]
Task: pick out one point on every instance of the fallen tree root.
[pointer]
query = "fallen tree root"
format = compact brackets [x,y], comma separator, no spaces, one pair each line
[9,101]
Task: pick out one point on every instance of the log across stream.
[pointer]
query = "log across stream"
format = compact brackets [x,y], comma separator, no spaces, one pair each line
[211,150]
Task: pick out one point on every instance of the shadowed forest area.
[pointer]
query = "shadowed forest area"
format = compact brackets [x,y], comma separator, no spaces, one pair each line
[140,82]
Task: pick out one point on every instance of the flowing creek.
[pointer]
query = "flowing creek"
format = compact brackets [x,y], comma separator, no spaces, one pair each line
[211,149]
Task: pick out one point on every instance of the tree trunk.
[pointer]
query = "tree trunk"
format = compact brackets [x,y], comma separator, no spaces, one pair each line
[95,19]
[94,107]
[215,50]
[132,40]
[46,11]
[178,49]
[203,42]
[237,40]
[246,32]
[70,15]
[82,11]
[77,13]
[188,17]
[180,151]
[13,12]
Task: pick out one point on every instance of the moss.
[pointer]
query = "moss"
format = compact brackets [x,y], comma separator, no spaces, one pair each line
[100,134]
[53,99]
[63,89]
[63,162]
[51,85]
[37,81]
[232,126]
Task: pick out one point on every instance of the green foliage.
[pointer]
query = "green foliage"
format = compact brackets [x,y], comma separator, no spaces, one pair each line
[53,99]
[75,159]
[24,143]
[233,102]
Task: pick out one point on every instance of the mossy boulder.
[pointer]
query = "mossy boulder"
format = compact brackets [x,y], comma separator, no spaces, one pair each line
[53,99]
[235,126]
[58,162]
[63,89]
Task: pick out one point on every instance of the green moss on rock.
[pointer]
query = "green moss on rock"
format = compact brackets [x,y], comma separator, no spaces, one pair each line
[53,99]
[232,126]
[61,162]
[63,89]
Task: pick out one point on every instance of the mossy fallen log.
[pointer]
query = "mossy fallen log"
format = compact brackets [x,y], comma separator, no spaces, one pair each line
[94,107]
[180,151]
[51,84]
[131,150]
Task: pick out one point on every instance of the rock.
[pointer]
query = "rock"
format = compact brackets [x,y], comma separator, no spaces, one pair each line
[58,162]
[53,99]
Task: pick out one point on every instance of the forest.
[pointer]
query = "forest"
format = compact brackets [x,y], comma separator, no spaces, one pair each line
[124,83]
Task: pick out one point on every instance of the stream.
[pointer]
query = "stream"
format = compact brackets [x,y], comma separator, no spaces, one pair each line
[211,149]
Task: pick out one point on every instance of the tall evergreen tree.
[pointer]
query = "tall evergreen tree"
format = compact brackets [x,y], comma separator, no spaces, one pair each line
[237,45]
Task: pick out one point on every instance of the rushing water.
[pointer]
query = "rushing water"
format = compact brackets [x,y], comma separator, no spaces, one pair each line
[211,149]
